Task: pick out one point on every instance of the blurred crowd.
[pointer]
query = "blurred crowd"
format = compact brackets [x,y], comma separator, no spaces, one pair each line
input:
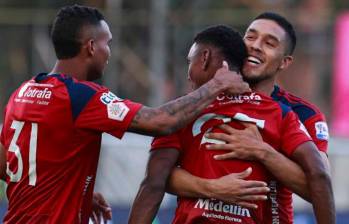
[151,40]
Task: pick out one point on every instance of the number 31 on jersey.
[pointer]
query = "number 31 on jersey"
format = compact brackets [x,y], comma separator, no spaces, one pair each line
[14,148]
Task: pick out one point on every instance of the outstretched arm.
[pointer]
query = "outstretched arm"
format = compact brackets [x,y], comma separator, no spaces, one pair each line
[152,189]
[173,115]
[319,182]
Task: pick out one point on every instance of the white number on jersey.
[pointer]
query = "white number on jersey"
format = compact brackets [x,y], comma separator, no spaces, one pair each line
[196,129]
[15,177]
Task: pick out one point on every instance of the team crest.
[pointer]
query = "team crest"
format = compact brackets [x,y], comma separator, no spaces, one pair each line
[321,130]
[117,111]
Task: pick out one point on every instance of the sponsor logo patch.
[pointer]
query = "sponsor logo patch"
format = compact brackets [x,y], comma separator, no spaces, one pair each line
[321,130]
[109,97]
[117,111]
[35,90]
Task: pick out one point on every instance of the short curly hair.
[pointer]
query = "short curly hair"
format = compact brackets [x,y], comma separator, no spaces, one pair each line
[67,27]
[228,40]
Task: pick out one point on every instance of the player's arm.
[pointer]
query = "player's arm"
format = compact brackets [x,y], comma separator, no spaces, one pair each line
[2,162]
[175,114]
[152,189]
[231,188]
[319,182]
[248,144]
[316,174]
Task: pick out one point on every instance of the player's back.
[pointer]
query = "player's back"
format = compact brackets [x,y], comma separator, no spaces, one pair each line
[279,127]
[50,172]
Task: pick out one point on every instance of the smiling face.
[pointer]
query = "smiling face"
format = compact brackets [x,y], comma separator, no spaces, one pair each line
[266,43]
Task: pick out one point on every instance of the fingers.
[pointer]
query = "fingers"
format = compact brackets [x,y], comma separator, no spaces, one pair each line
[230,155]
[244,173]
[254,183]
[94,218]
[219,136]
[254,198]
[254,190]
[252,127]
[247,204]
[107,214]
[225,65]
[228,129]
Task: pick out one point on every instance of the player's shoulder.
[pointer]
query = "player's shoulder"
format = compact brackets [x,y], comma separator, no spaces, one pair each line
[269,102]
[73,83]
[304,109]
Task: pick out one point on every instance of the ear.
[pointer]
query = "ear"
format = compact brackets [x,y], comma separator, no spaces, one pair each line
[286,61]
[205,58]
[90,46]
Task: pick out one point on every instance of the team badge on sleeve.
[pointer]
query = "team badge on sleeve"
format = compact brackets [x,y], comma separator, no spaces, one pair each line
[109,97]
[321,130]
[117,111]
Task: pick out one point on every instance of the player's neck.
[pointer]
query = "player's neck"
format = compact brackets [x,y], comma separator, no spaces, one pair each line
[266,86]
[72,67]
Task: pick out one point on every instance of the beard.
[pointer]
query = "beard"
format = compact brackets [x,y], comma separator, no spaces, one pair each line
[256,79]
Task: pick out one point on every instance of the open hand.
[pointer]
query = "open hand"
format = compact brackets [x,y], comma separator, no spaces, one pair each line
[100,209]
[246,144]
[232,188]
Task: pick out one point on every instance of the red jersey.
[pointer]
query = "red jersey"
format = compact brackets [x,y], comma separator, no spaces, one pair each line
[315,123]
[52,133]
[312,118]
[279,127]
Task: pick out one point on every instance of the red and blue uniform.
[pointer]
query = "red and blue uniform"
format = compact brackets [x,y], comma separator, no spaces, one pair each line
[315,123]
[279,126]
[311,116]
[52,133]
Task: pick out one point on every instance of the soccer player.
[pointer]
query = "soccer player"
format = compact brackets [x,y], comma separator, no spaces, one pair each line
[198,161]
[53,123]
[264,44]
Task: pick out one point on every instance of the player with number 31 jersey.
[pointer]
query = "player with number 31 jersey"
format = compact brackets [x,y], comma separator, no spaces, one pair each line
[64,178]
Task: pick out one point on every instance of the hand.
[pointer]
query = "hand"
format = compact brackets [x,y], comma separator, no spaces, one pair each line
[232,80]
[244,144]
[100,208]
[232,188]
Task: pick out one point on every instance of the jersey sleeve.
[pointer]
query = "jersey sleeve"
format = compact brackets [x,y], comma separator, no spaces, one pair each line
[293,133]
[105,112]
[318,130]
[169,141]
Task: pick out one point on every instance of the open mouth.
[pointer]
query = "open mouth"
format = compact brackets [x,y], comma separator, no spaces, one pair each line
[253,60]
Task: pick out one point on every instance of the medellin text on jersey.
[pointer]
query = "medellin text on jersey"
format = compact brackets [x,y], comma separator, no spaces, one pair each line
[278,125]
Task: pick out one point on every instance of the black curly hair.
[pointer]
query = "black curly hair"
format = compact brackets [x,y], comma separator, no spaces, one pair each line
[228,40]
[66,29]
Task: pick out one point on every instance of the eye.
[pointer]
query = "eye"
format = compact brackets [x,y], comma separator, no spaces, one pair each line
[271,44]
[249,37]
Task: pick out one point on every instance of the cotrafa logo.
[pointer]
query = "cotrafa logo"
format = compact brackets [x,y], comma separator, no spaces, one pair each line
[240,98]
[31,90]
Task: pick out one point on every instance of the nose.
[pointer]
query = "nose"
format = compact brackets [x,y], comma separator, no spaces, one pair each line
[256,45]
